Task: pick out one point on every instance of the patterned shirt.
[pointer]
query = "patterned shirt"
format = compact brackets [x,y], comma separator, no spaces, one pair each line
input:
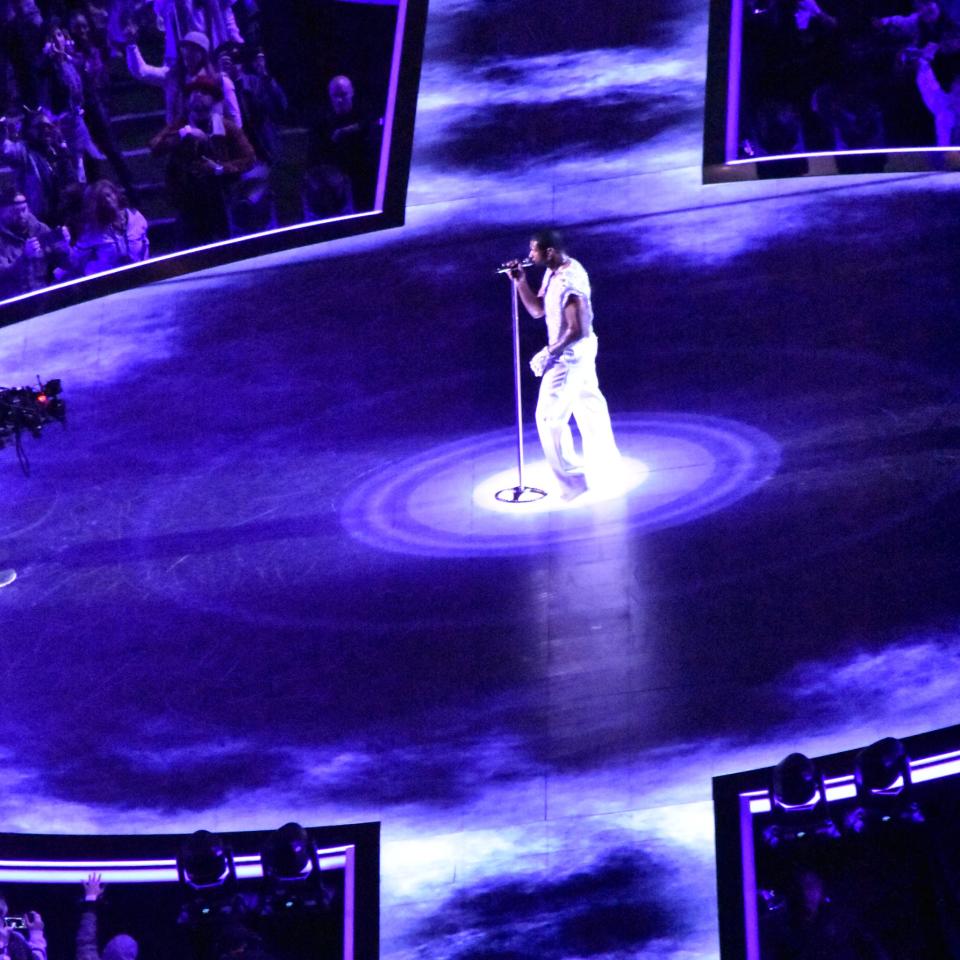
[558,286]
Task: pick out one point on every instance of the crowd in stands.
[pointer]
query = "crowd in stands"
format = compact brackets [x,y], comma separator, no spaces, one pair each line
[238,925]
[69,206]
[29,942]
[835,75]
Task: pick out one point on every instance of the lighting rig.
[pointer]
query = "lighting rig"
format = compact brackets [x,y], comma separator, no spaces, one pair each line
[812,837]
[291,909]
[883,795]
[29,410]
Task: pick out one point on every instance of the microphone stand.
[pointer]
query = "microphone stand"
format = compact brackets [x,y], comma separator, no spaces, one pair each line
[520,493]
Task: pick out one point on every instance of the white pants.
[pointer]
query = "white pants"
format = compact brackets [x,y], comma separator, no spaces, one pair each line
[568,389]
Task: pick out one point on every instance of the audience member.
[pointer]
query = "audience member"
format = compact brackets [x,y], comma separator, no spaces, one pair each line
[96,85]
[263,105]
[213,18]
[23,44]
[193,63]
[344,141]
[12,942]
[927,24]
[29,249]
[98,18]
[125,19]
[6,87]
[944,105]
[247,14]
[120,947]
[207,154]
[62,84]
[62,92]
[111,233]
[41,161]
[811,926]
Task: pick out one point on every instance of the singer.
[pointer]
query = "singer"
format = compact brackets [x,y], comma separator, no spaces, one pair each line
[567,365]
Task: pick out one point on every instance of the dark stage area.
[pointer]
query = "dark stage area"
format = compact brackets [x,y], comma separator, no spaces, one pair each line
[261,578]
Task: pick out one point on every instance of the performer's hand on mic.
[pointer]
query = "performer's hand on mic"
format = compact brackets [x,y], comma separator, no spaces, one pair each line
[516,272]
[540,361]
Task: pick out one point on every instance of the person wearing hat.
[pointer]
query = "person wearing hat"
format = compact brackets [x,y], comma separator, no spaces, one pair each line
[192,63]
[214,18]
[29,249]
[207,154]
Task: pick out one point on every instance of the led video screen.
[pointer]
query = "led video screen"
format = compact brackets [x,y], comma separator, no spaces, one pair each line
[800,87]
[844,877]
[143,138]
[163,897]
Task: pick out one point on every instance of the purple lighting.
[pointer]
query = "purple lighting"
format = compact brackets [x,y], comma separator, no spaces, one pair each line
[813,154]
[677,467]
[733,79]
[144,871]
[755,802]
[391,105]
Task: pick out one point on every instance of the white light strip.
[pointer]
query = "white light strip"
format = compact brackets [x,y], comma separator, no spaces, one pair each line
[66,284]
[137,871]
[109,874]
[811,154]
[843,788]
[108,864]
[88,864]
[939,758]
[946,768]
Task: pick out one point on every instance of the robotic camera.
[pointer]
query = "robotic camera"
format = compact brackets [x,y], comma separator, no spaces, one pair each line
[29,410]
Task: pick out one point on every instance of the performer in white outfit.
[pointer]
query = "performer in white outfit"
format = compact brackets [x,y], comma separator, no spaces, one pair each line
[567,365]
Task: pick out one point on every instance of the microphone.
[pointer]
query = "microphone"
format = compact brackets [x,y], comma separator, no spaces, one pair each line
[507,267]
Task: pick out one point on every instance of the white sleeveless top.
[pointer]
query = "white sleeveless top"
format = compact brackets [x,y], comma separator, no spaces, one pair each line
[558,286]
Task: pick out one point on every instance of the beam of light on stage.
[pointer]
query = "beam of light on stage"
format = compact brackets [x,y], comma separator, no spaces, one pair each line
[618,480]
[676,468]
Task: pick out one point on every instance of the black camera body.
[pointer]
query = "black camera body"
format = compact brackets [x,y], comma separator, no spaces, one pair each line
[29,410]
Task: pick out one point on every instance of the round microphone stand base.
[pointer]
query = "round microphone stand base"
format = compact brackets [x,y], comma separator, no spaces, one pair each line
[520,494]
[7,577]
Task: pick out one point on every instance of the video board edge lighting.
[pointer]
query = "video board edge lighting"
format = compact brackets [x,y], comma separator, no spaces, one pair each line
[922,770]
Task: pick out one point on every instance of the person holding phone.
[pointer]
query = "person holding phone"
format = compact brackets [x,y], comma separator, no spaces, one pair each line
[21,938]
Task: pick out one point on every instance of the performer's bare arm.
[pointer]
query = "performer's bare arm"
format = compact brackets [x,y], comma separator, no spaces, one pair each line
[572,329]
[531,301]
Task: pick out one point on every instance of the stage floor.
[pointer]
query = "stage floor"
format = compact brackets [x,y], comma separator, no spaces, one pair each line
[261,575]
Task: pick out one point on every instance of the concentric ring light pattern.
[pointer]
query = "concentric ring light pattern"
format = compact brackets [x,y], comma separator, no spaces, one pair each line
[676,468]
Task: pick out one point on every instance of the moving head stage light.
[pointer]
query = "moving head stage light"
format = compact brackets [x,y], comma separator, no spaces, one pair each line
[29,410]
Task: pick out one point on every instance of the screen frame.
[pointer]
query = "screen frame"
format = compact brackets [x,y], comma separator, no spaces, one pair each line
[737,796]
[721,119]
[131,858]
[393,179]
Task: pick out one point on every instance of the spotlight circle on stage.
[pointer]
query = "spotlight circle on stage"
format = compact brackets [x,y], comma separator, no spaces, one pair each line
[676,468]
